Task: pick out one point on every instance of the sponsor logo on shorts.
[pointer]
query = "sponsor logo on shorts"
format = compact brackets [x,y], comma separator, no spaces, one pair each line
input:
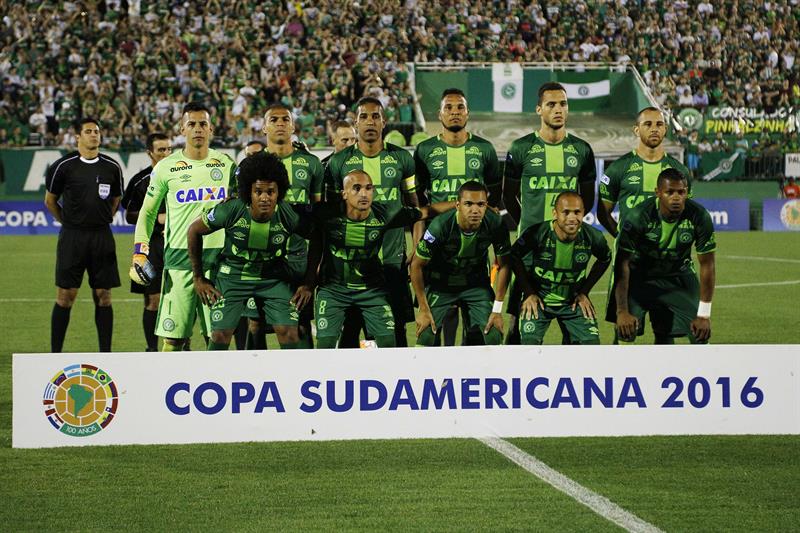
[168,324]
[80,400]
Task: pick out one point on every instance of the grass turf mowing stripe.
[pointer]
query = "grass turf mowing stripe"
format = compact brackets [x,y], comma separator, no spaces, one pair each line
[597,503]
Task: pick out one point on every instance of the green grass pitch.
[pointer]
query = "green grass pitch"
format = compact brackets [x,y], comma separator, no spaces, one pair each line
[741,483]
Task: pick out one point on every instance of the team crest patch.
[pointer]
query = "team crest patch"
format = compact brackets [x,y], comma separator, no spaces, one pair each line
[529,327]
[390,172]
[217,315]
[168,324]
[103,190]
[216,174]
[572,161]
[685,237]
[373,235]
[581,257]
[278,239]
[80,400]
[322,323]
[301,174]
[474,164]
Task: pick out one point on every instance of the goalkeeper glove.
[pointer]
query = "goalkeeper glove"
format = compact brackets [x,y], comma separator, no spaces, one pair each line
[142,271]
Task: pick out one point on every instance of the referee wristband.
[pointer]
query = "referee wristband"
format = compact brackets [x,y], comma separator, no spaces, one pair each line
[704,310]
[497,307]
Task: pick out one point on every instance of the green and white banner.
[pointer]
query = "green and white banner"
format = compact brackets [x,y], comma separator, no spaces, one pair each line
[588,90]
[507,80]
[722,166]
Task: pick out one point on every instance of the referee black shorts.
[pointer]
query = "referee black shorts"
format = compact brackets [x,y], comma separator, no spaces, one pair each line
[87,250]
[156,258]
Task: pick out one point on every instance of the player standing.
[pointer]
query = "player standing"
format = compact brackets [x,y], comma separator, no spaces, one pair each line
[445,162]
[158,147]
[540,166]
[654,270]
[83,193]
[391,169]
[191,180]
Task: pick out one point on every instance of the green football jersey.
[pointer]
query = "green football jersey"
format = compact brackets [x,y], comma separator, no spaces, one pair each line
[458,260]
[663,249]
[351,253]
[441,169]
[255,250]
[190,188]
[630,180]
[559,268]
[392,173]
[544,170]
[305,182]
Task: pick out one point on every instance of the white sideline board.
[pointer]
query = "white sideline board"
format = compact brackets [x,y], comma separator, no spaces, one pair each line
[83,399]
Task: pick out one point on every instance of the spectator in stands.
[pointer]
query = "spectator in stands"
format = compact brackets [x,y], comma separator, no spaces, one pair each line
[720,144]
[791,189]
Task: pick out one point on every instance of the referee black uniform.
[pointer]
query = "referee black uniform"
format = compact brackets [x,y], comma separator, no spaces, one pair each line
[87,191]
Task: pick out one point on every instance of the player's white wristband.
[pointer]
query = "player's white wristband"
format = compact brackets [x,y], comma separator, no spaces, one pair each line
[497,307]
[704,310]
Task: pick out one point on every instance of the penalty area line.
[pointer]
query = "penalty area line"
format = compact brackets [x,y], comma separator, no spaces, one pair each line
[597,503]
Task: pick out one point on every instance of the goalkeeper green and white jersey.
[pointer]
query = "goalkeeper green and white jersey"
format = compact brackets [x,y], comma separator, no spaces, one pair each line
[545,170]
[190,188]
[630,180]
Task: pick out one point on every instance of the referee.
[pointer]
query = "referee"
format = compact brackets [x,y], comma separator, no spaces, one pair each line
[158,147]
[83,192]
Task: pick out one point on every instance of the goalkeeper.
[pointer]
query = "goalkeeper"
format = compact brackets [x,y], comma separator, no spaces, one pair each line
[192,181]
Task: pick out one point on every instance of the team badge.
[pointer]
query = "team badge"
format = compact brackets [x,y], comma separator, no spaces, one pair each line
[373,235]
[685,237]
[217,315]
[390,172]
[103,190]
[322,323]
[572,161]
[278,239]
[474,164]
[581,257]
[168,324]
[80,400]
[216,174]
[528,327]
[301,174]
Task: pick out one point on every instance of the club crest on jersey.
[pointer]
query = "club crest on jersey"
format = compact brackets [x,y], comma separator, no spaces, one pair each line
[200,194]
[278,239]
[572,161]
[581,257]
[373,235]
[474,164]
[216,174]
[390,172]
[301,174]
[181,166]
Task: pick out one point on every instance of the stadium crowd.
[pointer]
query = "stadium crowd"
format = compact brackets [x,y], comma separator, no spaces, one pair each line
[134,64]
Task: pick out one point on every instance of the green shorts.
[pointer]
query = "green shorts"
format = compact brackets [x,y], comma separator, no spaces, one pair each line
[297,273]
[581,330]
[672,303]
[477,300]
[272,295]
[515,298]
[180,306]
[333,300]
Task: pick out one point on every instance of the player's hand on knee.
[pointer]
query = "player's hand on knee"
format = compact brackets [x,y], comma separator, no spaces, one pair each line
[701,328]
[208,294]
[627,325]
[141,271]
[495,321]
[301,296]
[530,307]
[425,321]
[587,308]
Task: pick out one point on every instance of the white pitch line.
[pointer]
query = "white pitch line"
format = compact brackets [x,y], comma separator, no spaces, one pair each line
[764,284]
[79,300]
[597,503]
[758,258]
